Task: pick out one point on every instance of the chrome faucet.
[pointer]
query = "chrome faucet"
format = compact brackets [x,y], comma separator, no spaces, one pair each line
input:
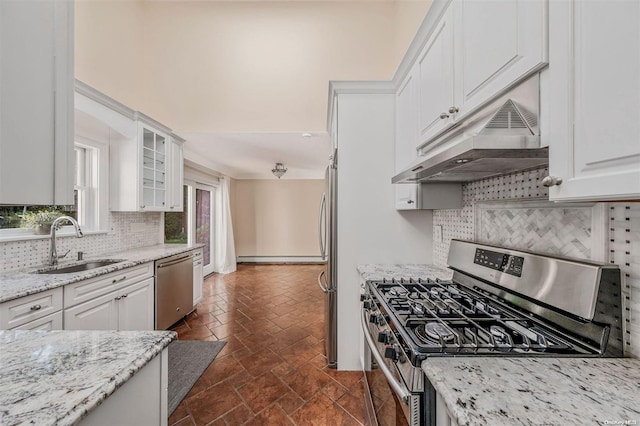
[53,253]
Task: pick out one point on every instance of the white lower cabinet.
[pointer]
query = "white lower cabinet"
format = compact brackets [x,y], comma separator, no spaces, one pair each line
[48,323]
[100,313]
[122,300]
[142,400]
[30,311]
[198,276]
[135,308]
[130,308]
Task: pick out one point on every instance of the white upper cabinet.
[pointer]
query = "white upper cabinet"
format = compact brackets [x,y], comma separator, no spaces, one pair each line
[435,74]
[475,51]
[175,186]
[498,43]
[406,139]
[594,80]
[153,160]
[36,102]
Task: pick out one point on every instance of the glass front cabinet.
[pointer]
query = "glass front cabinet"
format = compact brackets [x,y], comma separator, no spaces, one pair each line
[154,180]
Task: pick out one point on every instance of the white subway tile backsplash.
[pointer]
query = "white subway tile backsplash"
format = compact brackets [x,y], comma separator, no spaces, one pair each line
[126,231]
[514,211]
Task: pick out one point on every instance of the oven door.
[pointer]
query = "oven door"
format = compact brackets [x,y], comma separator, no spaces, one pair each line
[388,402]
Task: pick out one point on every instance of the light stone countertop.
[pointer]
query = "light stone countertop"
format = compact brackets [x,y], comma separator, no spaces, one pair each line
[538,391]
[17,284]
[415,271]
[57,377]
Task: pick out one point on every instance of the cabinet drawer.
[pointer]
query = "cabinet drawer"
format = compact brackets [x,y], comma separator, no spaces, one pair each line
[15,313]
[83,291]
[48,323]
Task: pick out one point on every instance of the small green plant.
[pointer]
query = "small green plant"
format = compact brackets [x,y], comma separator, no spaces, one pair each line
[41,220]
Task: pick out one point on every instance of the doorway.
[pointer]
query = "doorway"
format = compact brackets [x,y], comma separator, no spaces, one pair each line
[196,223]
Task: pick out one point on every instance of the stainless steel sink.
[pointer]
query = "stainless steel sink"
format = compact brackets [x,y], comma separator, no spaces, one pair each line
[87,266]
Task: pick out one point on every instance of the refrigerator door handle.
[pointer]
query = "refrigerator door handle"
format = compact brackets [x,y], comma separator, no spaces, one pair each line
[323,288]
[323,214]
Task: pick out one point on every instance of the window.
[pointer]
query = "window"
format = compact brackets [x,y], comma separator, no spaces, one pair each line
[90,203]
[176,224]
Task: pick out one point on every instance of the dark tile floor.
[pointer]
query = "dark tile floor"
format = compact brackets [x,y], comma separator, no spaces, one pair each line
[272,370]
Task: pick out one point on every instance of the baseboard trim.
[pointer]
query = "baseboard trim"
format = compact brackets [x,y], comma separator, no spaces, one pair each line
[280,259]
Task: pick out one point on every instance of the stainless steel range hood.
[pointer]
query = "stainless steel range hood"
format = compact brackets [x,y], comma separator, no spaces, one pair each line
[501,138]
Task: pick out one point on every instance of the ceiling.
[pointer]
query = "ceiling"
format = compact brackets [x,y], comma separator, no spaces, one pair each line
[241,80]
[253,155]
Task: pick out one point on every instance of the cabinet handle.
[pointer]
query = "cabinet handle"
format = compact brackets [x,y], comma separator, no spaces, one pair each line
[551,181]
[410,202]
[125,295]
[118,298]
[142,206]
[36,307]
[119,280]
[444,115]
[171,207]
[453,110]
[177,309]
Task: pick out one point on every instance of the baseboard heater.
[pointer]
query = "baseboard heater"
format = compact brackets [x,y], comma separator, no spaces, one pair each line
[280,259]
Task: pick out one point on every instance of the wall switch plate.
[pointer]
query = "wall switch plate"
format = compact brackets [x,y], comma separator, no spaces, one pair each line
[437,234]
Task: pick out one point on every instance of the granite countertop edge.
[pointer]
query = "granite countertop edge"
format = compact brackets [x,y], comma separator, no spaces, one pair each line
[569,393]
[374,271]
[94,400]
[21,283]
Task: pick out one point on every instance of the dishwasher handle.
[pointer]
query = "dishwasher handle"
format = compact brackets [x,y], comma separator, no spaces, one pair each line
[173,262]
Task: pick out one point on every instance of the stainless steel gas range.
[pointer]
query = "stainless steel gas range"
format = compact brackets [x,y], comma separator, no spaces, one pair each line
[500,302]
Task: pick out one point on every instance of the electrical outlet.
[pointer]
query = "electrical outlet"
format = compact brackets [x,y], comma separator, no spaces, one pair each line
[437,233]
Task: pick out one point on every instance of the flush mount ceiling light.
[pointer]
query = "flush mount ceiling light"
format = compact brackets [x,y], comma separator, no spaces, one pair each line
[279,171]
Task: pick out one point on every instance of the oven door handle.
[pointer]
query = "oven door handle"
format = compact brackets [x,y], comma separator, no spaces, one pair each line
[399,388]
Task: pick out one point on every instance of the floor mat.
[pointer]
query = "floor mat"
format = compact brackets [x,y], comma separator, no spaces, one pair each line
[187,361]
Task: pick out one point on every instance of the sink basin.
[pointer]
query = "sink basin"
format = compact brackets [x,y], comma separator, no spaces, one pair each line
[87,266]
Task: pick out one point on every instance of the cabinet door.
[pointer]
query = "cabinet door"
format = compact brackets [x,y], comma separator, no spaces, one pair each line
[594,83]
[135,307]
[197,279]
[406,122]
[155,147]
[48,323]
[498,44]
[36,105]
[436,79]
[100,313]
[407,196]
[176,177]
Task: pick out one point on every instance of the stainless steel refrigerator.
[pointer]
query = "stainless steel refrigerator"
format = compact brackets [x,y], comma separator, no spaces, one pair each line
[327,280]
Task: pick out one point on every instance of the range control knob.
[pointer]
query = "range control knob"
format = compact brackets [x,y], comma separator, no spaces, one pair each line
[391,352]
[382,319]
[363,297]
[368,304]
[373,318]
[384,336]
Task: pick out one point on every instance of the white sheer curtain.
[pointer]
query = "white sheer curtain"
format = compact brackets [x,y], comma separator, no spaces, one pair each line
[225,253]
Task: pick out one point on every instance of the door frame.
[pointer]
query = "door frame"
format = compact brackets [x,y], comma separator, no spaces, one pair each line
[191,234]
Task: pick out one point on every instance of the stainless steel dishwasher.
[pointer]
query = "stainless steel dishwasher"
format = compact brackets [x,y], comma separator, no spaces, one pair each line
[174,289]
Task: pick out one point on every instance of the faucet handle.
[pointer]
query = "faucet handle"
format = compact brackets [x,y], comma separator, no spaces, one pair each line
[64,255]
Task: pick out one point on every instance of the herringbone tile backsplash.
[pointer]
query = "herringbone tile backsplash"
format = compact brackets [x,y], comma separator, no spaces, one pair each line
[514,211]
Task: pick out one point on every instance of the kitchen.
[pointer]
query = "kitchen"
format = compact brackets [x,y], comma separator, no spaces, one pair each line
[382,129]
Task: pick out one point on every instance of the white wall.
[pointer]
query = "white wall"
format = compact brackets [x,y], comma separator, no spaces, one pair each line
[276,218]
[246,66]
[370,230]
